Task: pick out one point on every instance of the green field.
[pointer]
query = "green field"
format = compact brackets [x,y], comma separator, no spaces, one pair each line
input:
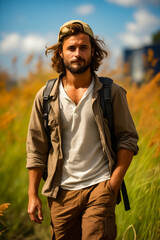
[142,179]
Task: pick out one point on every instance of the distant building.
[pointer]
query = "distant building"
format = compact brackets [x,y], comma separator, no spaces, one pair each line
[142,63]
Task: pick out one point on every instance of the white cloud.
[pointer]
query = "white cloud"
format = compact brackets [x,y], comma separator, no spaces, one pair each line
[33,43]
[29,43]
[139,32]
[128,3]
[132,40]
[10,42]
[124,2]
[143,21]
[85,9]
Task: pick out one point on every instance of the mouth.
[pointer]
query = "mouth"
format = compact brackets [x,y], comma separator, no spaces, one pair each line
[78,61]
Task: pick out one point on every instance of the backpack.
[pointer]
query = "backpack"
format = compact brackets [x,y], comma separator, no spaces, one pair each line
[106,105]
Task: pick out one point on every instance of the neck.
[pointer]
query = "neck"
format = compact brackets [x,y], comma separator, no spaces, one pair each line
[81,80]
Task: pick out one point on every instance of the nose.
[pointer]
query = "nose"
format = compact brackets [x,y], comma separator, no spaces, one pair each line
[77,52]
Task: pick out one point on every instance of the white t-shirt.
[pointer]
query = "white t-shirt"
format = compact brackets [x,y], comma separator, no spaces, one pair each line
[84,161]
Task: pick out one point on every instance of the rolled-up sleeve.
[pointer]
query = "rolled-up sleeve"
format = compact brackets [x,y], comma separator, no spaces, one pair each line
[125,131]
[37,139]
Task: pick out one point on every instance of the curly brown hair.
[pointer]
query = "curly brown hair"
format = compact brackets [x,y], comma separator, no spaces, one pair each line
[75,28]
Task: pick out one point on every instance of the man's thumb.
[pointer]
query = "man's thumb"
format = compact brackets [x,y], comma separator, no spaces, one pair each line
[40,216]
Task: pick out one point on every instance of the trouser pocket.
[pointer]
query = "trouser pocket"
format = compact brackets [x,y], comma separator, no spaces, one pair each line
[111,228]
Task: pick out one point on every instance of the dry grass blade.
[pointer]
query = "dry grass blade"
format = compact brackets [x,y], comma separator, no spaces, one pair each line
[134,231]
[3,207]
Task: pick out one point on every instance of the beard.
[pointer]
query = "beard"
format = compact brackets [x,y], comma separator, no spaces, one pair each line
[76,66]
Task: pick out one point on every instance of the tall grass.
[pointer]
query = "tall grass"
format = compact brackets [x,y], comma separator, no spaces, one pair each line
[142,179]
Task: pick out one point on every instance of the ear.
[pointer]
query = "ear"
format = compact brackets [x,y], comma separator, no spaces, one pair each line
[61,53]
[92,52]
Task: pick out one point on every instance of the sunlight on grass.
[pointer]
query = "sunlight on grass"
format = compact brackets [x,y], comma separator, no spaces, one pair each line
[142,178]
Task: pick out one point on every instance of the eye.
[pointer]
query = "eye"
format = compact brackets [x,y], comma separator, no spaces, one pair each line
[71,48]
[83,47]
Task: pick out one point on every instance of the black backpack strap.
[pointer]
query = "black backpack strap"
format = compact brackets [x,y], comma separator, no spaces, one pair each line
[106,105]
[125,196]
[46,108]
[46,105]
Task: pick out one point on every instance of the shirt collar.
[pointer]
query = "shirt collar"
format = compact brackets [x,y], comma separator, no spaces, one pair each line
[98,84]
[54,92]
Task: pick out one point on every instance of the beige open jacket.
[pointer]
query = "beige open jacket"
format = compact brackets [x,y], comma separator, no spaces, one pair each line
[39,150]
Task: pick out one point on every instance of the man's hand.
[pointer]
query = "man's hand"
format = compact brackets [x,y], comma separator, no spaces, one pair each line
[34,204]
[35,209]
[124,158]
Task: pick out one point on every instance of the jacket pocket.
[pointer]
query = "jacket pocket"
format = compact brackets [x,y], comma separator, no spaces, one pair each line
[53,127]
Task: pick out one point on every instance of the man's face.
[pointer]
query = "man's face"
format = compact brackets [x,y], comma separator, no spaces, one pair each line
[77,53]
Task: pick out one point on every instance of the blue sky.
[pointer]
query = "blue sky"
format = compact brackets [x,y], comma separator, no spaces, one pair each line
[27,26]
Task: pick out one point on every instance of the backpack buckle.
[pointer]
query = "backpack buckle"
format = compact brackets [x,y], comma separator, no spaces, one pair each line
[107,99]
[45,115]
[46,98]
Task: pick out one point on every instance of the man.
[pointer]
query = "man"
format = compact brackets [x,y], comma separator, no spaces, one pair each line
[83,181]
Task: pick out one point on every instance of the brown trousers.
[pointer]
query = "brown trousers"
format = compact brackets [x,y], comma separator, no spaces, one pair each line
[85,214]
